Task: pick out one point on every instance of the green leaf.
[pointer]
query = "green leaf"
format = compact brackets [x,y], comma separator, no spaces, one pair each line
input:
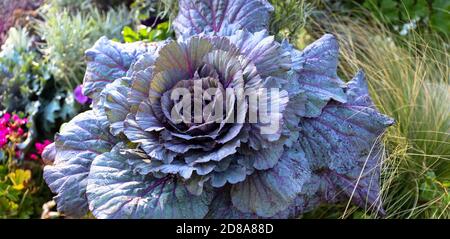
[144,33]
[440,17]
[129,35]
[163,26]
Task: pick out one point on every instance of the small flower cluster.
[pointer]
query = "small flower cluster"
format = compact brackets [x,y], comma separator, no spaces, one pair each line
[13,131]
[39,149]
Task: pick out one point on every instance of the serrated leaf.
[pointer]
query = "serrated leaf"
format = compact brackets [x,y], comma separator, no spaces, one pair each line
[107,61]
[343,145]
[221,17]
[78,143]
[268,192]
[314,73]
[115,191]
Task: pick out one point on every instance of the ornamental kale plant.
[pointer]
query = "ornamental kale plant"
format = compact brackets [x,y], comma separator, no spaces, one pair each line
[273,132]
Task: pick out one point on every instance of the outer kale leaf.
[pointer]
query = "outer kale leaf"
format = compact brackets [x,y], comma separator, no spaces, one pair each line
[222,17]
[114,191]
[71,156]
[344,148]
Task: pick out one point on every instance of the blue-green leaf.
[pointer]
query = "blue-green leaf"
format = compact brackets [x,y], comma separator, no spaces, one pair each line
[107,61]
[268,192]
[221,17]
[343,145]
[115,191]
[314,72]
[78,143]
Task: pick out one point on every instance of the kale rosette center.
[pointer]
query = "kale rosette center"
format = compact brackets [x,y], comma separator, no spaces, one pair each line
[195,112]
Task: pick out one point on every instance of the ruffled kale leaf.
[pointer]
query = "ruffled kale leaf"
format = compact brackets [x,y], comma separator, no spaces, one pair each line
[108,60]
[344,147]
[221,17]
[70,157]
[115,191]
[314,75]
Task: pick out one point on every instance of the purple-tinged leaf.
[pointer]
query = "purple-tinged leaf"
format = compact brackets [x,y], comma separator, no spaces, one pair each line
[49,154]
[148,141]
[343,144]
[115,191]
[295,109]
[269,57]
[227,67]
[262,159]
[107,61]
[78,143]
[222,17]
[233,174]
[218,154]
[140,87]
[186,56]
[146,117]
[268,128]
[314,72]
[265,193]
[222,207]
[115,103]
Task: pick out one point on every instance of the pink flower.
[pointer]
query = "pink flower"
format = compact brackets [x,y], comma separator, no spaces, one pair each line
[4,133]
[34,157]
[41,146]
[3,141]
[4,129]
[4,120]
[20,132]
[18,153]
[11,130]
[15,118]
[18,120]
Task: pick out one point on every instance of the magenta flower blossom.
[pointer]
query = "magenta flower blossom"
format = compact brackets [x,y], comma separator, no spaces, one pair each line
[19,121]
[11,128]
[41,145]
[4,132]
[4,129]
[80,97]
[4,120]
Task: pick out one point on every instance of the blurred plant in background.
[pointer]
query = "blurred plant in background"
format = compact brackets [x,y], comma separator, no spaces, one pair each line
[147,34]
[289,20]
[41,68]
[153,12]
[402,16]
[21,76]
[68,34]
[152,20]
[27,86]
